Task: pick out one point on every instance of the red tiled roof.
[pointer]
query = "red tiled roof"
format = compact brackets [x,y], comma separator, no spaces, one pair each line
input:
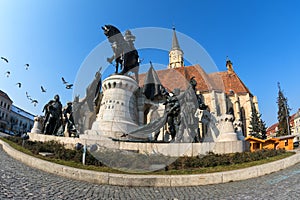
[231,82]
[179,78]
[292,119]
[272,128]
[169,78]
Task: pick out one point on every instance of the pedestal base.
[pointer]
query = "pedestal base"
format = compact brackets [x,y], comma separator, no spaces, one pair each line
[118,113]
[112,128]
[227,137]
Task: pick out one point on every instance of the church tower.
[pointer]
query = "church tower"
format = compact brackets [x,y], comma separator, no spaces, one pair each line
[175,54]
[229,65]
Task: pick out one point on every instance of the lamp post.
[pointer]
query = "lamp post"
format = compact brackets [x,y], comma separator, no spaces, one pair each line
[84,148]
[287,117]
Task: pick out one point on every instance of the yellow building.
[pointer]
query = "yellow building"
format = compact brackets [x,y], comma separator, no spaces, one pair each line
[284,142]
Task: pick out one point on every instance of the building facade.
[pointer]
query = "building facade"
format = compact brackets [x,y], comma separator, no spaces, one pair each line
[294,123]
[13,119]
[5,107]
[296,127]
[21,121]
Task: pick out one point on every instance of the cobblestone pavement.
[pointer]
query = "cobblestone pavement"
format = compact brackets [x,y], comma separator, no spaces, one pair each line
[18,181]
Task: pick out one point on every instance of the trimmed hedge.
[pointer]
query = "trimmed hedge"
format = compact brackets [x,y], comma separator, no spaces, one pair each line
[58,150]
[122,159]
[213,160]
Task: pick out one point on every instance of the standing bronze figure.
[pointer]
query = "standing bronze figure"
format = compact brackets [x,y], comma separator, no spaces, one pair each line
[53,116]
[173,112]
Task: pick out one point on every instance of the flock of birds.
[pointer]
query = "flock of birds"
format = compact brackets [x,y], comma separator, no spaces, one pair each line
[43,90]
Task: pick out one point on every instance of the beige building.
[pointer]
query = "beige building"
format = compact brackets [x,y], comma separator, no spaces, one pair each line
[5,106]
[295,126]
[13,119]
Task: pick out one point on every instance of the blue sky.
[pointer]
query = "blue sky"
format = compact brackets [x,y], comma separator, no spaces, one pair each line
[262,38]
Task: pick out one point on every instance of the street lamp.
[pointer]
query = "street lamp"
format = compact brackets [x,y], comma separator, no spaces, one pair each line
[287,117]
[79,146]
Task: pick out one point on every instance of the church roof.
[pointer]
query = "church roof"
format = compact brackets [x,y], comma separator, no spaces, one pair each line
[231,82]
[169,78]
[227,82]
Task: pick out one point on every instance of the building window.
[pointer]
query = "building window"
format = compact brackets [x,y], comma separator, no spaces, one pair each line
[8,106]
[4,105]
[1,103]
[286,143]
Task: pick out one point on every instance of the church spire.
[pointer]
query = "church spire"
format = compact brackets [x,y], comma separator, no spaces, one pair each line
[175,54]
[175,43]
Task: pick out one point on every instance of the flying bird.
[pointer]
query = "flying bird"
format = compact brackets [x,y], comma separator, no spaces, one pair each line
[34,101]
[5,59]
[63,80]
[26,66]
[19,84]
[69,86]
[7,73]
[43,89]
[27,95]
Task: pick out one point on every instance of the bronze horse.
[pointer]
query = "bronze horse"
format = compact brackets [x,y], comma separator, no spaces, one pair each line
[125,53]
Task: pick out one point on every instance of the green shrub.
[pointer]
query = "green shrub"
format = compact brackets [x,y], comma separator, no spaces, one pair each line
[213,160]
[58,150]
[133,161]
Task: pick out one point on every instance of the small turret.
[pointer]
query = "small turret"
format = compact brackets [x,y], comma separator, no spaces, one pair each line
[229,65]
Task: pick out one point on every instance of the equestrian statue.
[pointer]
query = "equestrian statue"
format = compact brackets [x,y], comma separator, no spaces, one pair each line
[125,53]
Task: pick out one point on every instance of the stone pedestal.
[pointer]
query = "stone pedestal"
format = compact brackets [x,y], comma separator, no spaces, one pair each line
[37,125]
[118,112]
[238,129]
[227,133]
